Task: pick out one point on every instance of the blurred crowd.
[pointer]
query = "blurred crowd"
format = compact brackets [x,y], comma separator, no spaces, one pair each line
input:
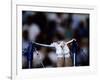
[47,27]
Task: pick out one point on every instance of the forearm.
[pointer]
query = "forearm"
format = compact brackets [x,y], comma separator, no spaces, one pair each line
[43,45]
[70,41]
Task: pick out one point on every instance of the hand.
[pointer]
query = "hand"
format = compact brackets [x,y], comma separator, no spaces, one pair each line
[74,39]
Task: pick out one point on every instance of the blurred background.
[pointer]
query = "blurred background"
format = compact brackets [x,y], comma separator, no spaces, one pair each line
[47,27]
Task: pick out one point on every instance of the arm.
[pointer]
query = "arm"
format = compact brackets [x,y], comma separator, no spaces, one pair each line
[70,41]
[43,45]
